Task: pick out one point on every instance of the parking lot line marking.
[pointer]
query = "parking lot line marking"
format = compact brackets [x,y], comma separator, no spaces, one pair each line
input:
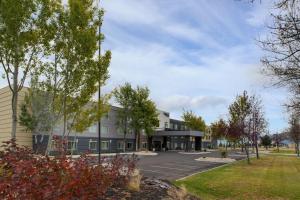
[168,168]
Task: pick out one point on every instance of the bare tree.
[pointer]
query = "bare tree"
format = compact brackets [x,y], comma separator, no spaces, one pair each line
[282,46]
[257,121]
[294,131]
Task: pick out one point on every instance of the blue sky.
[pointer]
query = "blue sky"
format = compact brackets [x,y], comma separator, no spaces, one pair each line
[195,54]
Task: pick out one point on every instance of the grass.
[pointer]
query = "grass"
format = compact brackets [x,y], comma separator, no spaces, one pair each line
[271,177]
[285,151]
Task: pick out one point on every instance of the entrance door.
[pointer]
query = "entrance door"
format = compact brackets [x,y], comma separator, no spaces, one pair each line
[198,141]
[157,145]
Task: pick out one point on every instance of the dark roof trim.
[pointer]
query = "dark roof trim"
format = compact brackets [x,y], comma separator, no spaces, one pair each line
[179,133]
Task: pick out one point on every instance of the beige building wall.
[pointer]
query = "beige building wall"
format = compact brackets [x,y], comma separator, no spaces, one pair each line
[207,135]
[23,137]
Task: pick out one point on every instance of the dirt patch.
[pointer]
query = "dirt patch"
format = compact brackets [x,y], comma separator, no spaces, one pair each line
[151,189]
[217,160]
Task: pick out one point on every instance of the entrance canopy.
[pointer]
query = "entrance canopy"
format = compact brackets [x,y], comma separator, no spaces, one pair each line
[179,133]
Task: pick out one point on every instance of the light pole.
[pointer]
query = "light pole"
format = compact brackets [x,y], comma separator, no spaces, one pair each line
[99,89]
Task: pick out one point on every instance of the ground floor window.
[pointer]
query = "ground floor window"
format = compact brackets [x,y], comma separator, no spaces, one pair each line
[72,144]
[144,145]
[104,145]
[54,145]
[93,145]
[175,146]
[129,145]
[120,144]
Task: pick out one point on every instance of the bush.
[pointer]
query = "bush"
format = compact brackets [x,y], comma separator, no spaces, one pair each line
[24,175]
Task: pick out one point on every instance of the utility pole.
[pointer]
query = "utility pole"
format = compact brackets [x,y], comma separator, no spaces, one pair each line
[99,89]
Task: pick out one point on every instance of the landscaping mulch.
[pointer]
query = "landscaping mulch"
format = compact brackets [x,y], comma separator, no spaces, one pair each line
[150,189]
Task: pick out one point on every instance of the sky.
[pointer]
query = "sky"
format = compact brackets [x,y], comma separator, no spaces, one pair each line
[194,55]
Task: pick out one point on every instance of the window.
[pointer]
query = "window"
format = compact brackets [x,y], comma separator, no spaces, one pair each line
[129,145]
[171,126]
[93,129]
[93,145]
[166,125]
[144,145]
[104,130]
[54,145]
[104,145]
[130,132]
[120,144]
[106,116]
[176,127]
[182,145]
[175,146]
[120,131]
[72,144]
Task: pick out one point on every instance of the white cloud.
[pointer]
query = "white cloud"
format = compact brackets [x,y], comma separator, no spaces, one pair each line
[195,54]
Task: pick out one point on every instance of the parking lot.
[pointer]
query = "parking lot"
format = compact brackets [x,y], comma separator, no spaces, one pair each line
[175,165]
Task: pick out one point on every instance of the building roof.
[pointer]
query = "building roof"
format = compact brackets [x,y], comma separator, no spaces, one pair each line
[179,133]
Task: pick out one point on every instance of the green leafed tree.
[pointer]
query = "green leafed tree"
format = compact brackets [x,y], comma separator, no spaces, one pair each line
[71,74]
[144,114]
[124,97]
[193,122]
[266,141]
[26,30]
[138,112]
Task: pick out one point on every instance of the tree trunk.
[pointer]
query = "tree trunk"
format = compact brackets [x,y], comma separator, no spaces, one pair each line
[256,147]
[47,152]
[14,103]
[298,150]
[247,152]
[124,142]
[136,141]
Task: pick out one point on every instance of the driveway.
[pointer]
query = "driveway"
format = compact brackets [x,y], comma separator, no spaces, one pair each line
[175,165]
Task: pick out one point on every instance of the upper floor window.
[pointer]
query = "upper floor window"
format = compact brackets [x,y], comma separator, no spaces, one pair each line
[176,126]
[166,125]
[104,130]
[93,129]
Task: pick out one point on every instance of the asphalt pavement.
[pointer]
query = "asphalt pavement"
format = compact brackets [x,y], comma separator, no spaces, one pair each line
[173,165]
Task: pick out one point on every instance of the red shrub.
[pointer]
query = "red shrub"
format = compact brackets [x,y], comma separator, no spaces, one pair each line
[24,175]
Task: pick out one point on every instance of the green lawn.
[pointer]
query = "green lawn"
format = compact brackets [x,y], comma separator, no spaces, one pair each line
[271,177]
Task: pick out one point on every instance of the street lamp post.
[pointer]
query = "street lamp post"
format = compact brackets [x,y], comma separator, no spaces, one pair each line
[99,89]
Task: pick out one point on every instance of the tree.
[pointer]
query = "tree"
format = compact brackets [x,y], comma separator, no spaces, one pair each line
[25,32]
[239,112]
[257,120]
[278,138]
[124,97]
[144,114]
[193,122]
[219,129]
[72,76]
[266,141]
[283,48]
[138,112]
[294,131]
